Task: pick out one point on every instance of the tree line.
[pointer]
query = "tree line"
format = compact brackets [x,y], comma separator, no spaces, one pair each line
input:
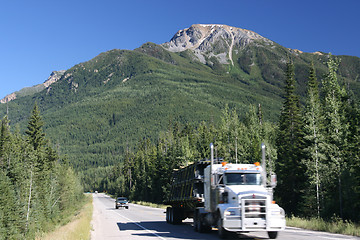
[37,185]
[313,148]
[317,145]
[145,174]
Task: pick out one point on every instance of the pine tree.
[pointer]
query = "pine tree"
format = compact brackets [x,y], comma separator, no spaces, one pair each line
[34,130]
[9,210]
[227,135]
[353,154]
[288,166]
[4,142]
[255,135]
[336,126]
[314,142]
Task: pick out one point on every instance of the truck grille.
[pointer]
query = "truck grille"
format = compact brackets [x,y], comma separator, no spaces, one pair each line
[254,208]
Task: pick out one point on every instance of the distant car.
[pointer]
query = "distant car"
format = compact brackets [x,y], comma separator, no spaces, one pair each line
[122,202]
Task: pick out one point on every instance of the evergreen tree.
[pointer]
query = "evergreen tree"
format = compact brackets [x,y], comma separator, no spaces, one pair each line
[4,139]
[288,166]
[314,138]
[336,128]
[255,135]
[352,202]
[9,210]
[34,186]
[34,130]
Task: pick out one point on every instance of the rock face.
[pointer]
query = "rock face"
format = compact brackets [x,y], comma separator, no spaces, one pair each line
[212,40]
[54,77]
[8,98]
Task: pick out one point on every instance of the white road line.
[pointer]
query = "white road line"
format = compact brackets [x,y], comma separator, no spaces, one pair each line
[139,225]
[329,238]
[326,235]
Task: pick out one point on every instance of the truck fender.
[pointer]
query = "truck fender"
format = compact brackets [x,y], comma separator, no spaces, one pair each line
[220,211]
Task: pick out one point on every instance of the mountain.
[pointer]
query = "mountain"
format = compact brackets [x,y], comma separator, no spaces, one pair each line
[212,40]
[54,76]
[97,109]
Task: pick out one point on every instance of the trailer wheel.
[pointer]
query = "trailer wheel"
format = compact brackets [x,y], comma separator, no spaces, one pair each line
[177,218]
[221,230]
[272,235]
[171,216]
[168,214]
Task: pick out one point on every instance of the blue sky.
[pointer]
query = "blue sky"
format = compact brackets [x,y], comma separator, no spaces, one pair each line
[40,36]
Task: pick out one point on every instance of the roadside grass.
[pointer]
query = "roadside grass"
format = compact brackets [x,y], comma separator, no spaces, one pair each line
[334,226]
[78,227]
[149,204]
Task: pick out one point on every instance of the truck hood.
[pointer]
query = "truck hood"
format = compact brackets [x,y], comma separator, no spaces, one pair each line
[247,189]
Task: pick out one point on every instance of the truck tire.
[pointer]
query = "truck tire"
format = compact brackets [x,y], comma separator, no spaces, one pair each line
[221,230]
[272,235]
[198,224]
[177,216]
[171,216]
[195,221]
[168,214]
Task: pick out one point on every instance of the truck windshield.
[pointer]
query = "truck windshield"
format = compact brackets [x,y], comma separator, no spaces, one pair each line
[242,179]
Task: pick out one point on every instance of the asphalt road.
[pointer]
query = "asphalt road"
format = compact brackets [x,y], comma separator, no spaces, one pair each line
[139,222]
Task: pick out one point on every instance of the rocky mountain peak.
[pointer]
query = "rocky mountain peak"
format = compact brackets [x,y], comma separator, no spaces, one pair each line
[207,40]
[54,77]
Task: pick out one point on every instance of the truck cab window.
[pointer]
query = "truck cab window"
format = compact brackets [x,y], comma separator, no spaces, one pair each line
[242,179]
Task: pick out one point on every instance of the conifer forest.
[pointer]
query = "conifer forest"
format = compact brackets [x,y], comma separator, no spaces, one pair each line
[38,187]
[313,148]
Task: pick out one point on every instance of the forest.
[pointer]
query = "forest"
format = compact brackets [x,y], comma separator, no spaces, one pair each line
[313,149]
[38,187]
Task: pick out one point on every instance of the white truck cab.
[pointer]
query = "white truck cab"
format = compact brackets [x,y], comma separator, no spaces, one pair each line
[235,192]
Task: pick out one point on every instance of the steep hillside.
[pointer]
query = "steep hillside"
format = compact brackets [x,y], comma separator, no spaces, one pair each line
[98,108]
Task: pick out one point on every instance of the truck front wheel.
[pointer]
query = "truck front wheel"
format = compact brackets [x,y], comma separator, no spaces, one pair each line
[195,221]
[272,235]
[199,226]
[221,230]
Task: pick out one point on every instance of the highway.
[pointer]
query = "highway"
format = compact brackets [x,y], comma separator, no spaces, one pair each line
[140,222]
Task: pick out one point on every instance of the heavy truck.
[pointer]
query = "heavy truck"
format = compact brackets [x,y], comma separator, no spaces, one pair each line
[229,197]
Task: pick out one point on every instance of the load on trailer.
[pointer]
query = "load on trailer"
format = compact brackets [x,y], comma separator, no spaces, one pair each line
[230,197]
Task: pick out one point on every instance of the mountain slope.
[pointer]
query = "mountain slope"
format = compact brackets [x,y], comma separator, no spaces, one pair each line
[54,77]
[100,107]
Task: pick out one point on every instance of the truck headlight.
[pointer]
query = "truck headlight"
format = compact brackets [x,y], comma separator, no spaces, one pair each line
[278,212]
[275,212]
[229,213]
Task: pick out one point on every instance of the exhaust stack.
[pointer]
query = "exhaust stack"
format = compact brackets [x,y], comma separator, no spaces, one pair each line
[263,165]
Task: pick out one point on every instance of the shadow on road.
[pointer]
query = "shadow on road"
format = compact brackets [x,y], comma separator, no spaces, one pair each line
[182,231]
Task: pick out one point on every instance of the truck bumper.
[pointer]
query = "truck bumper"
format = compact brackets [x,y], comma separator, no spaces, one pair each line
[236,223]
[253,225]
